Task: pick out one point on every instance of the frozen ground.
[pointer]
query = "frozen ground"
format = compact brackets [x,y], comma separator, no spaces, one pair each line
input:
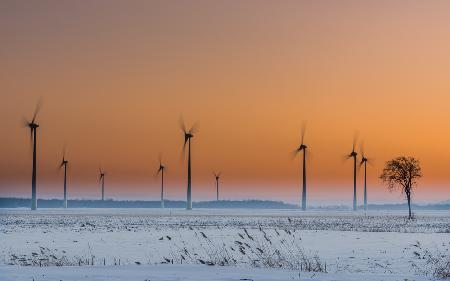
[205,244]
[182,272]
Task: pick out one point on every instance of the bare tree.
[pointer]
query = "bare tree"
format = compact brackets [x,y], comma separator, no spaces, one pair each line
[402,173]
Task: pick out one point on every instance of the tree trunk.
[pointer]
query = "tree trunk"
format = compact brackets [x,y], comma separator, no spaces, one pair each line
[408,196]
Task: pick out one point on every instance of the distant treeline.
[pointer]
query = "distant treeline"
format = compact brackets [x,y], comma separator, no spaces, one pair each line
[404,206]
[83,203]
[223,204]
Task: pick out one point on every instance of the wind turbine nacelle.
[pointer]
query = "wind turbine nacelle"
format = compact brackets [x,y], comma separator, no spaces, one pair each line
[33,125]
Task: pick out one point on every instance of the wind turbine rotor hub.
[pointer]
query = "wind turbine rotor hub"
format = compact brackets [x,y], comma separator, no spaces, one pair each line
[33,125]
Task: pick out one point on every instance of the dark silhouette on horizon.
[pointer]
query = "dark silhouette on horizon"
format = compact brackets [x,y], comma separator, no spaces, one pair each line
[364,161]
[217,177]
[402,173]
[399,173]
[102,180]
[188,135]
[353,155]
[64,164]
[33,125]
[303,148]
[161,170]
[12,202]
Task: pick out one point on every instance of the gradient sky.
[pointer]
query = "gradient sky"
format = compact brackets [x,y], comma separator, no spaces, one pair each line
[115,76]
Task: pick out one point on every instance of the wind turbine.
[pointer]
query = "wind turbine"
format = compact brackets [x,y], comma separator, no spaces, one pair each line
[102,180]
[188,135]
[33,125]
[364,161]
[64,164]
[217,177]
[161,170]
[303,148]
[354,154]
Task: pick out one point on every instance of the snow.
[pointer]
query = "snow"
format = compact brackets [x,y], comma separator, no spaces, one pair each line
[133,244]
[181,272]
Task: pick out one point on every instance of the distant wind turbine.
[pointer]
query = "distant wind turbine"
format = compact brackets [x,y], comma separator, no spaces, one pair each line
[364,161]
[303,147]
[353,155]
[161,170]
[217,177]
[64,164]
[102,180]
[188,135]
[33,125]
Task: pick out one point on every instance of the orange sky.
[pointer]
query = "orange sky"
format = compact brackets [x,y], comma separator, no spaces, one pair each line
[116,75]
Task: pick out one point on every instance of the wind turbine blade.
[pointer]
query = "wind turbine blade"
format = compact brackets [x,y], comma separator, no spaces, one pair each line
[194,129]
[25,122]
[309,156]
[361,148]
[345,157]
[182,124]
[64,155]
[64,150]
[358,168]
[185,143]
[303,131]
[355,140]
[36,110]
[294,153]
[183,152]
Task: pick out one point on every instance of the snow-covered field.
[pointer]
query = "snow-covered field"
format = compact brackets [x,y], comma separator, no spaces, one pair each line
[206,244]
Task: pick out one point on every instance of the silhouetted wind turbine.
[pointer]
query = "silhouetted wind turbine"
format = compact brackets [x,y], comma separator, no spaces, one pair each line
[33,125]
[64,164]
[161,170]
[188,134]
[102,180]
[303,148]
[354,155]
[217,177]
[364,161]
